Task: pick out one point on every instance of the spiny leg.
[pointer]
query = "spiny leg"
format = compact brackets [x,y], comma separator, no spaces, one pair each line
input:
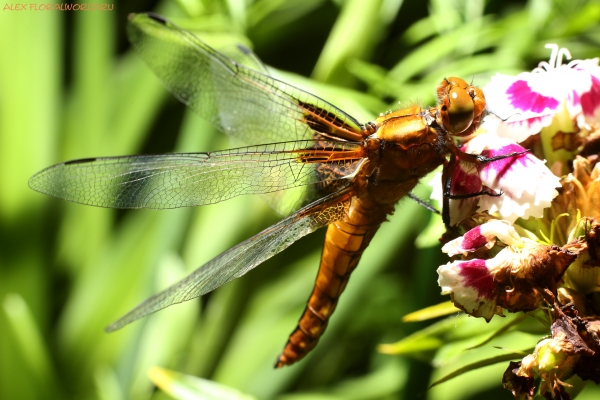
[448,172]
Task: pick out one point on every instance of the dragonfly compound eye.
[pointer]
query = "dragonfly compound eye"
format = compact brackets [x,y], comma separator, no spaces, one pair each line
[459,109]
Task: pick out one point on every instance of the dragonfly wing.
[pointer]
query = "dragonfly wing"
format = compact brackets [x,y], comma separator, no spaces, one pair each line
[192,179]
[240,259]
[246,57]
[242,102]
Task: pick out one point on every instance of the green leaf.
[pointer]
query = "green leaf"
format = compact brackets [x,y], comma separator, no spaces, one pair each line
[356,31]
[480,364]
[186,387]
[29,341]
[439,310]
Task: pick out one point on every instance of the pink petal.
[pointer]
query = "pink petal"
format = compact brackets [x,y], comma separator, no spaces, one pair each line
[527,184]
[473,239]
[498,169]
[483,235]
[523,98]
[471,285]
[590,101]
[518,106]
[477,276]
[465,180]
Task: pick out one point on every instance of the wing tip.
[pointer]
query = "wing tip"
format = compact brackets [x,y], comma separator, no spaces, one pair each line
[32,182]
[149,14]
[39,181]
[36,179]
[156,17]
[111,328]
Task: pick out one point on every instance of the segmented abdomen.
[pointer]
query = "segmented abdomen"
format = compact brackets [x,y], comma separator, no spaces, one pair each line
[345,242]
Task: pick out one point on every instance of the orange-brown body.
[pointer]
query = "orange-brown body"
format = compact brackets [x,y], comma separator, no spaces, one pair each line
[400,148]
[404,148]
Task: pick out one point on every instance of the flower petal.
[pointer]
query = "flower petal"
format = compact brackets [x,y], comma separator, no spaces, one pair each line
[523,98]
[517,110]
[528,186]
[526,103]
[590,101]
[471,286]
[483,235]
[465,180]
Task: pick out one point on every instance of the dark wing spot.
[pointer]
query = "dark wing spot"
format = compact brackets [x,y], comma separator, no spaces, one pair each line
[244,49]
[80,161]
[157,18]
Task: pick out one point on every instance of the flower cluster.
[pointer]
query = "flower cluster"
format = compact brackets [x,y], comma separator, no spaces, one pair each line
[537,246]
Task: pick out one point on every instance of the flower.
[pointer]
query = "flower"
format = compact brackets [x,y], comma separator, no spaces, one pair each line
[544,252]
[561,103]
[516,278]
[573,349]
[528,102]
[580,191]
[482,236]
[550,362]
[471,286]
[580,195]
[524,184]
[523,276]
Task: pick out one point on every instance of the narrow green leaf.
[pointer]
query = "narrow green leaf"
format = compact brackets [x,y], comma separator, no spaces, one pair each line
[480,364]
[354,34]
[186,387]
[31,46]
[438,310]
[501,331]
[30,343]
[411,344]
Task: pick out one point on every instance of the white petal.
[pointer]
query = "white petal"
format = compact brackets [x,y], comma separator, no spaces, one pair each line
[528,186]
[471,286]
[522,105]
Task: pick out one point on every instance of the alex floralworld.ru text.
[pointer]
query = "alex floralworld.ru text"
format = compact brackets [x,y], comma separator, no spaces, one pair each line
[57,7]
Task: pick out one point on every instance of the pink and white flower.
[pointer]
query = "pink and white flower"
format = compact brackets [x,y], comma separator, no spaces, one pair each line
[515,278]
[471,282]
[526,103]
[483,236]
[560,101]
[471,285]
[500,270]
[526,184]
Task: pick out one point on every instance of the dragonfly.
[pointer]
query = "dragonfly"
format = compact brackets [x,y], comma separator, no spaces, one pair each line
[356,172]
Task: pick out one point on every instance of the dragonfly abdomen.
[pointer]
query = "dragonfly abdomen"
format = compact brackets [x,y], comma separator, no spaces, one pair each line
[345,242]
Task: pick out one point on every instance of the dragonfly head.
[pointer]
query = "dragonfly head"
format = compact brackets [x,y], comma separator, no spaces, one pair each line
[461,106]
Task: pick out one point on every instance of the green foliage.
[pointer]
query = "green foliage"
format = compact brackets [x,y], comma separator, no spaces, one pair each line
[70,88]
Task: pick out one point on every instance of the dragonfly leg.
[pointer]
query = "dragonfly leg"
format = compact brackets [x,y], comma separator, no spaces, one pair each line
[447,174]
[422,203]
[478,158]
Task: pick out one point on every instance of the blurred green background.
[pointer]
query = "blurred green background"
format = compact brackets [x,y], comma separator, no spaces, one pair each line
[70,87]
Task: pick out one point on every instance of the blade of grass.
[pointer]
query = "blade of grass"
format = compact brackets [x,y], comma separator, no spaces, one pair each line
[480,364]
[31,345]
[358,28]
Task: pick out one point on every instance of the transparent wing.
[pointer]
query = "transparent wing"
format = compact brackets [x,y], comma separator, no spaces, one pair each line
[246,57]
[240,259]
[242,102]
[192,179]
